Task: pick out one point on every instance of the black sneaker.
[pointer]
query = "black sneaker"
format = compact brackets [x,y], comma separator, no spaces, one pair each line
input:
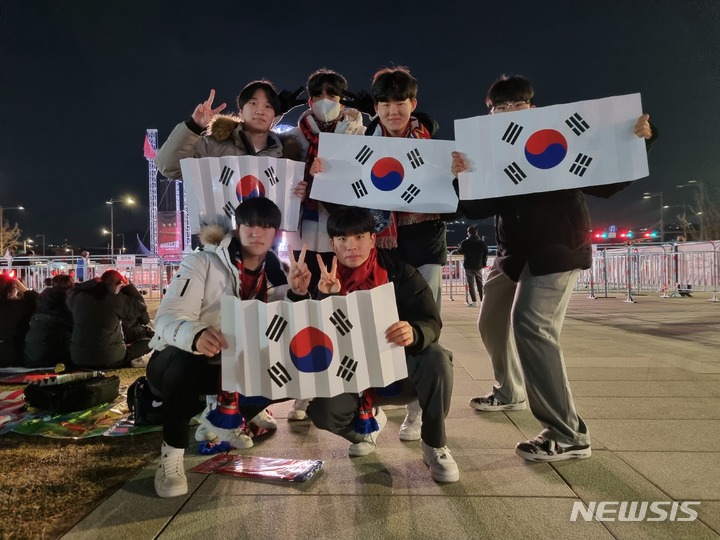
[540,449]
[489,403]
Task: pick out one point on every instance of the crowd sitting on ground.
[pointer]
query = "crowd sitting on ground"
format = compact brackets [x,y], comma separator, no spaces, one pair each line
[101,323]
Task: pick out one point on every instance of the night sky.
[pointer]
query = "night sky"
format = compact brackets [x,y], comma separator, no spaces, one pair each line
[81,81]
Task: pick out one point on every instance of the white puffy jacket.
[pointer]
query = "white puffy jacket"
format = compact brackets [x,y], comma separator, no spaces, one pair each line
[192,301]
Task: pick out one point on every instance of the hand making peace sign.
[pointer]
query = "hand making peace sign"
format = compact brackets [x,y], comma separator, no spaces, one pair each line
[204,112]
[299,273]
[329,283]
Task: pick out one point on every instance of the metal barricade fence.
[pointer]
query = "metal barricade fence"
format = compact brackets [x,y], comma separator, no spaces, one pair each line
[150,275]
[454,280]
[669,269]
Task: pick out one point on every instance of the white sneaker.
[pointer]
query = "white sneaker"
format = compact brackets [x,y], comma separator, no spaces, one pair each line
[142,361]
[203,434]
[298,410]
[236,437]
[369,444]
[410,428]
[442,465]
[170,480]
[264,420]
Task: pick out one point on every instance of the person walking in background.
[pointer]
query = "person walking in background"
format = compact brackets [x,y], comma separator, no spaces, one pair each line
[475,251]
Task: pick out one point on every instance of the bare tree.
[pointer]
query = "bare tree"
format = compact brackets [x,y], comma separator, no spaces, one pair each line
[9,238]
[707,208]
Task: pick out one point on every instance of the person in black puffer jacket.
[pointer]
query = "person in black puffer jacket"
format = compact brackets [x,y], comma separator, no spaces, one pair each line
[47,343]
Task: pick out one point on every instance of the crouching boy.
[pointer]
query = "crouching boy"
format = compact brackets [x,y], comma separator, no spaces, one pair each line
[359,265]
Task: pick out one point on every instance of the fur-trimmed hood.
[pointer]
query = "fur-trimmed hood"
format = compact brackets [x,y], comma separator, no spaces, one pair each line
[213,229]
[223,127]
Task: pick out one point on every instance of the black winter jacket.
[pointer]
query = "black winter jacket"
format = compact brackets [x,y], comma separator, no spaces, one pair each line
[47,343]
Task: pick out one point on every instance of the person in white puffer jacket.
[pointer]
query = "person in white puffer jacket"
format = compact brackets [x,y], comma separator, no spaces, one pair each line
[188,340]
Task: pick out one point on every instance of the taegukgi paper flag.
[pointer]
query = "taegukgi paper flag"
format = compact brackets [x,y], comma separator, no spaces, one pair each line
[568,146]
[217,185]
[312,348]
[386,173]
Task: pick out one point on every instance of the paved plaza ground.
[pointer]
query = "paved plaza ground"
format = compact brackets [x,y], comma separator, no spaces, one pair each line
[645,376]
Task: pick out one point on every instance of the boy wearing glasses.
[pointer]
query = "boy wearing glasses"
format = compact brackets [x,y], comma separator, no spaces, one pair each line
[543,242]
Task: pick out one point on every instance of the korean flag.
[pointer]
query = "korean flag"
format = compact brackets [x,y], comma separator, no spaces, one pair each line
[386,173]
[218,185]
[568,146]
[311,348]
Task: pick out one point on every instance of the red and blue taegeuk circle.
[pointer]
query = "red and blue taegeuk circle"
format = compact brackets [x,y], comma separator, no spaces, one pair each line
[545,149]
[311,350]
[387,174]
[248,187]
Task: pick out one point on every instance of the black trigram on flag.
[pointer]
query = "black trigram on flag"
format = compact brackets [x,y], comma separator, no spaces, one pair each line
[226,175]
[415,158]
[276,328]
[229,210]
[515,173]
[410,193]
[364,154]
[582,162]
[347,368]
[279,374]
[359,189]
[271,176]
[577,124]
[512,133]
[341,322]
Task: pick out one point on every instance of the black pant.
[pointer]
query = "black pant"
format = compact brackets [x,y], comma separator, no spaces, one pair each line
[182,378]
[430,380]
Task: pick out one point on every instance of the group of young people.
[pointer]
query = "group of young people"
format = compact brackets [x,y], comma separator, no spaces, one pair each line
[343,249]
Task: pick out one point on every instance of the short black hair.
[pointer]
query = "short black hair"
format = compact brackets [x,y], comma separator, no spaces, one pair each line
[349,220]
[247,93]
[394,84]
[472,230]
[326,79]
[258,212]
[509,88]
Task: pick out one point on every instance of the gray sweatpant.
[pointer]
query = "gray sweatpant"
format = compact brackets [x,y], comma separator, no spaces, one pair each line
[520,325]
[430,381]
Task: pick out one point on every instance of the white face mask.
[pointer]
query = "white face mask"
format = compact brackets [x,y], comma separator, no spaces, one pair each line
[326,110]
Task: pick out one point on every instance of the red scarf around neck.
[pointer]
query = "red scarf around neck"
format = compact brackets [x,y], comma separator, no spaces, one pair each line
[363,278]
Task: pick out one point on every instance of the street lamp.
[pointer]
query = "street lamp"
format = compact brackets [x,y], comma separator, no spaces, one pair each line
[43,237]
[72,254]
[662,206]
[127,200]
[2,226]
[122,249]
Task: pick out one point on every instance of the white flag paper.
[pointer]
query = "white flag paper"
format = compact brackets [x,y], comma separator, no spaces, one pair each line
[312,348]
[386,173]
[218,185]
[568,146]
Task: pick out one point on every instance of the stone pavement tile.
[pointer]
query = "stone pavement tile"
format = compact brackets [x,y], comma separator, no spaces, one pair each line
[682,475]
[615,360]
[684,389]
[605,477]
[471,388]
[381,517]
[633,374]
[652,408]
[402,472]
[482,431]
[475,363]
[657,435]
[709,513]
